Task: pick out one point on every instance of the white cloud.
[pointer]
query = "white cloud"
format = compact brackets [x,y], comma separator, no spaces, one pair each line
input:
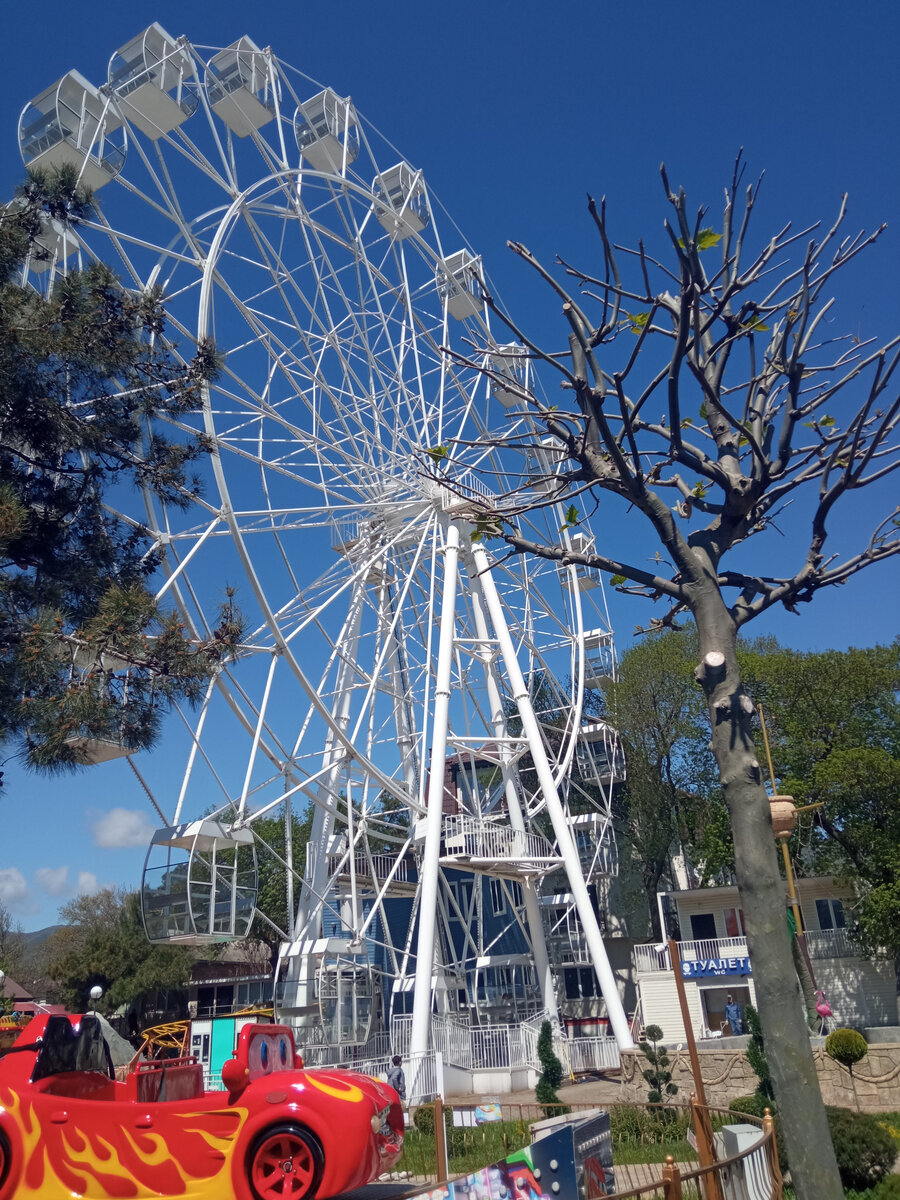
[121,828]
[87,883]
[13,888]
[54,880]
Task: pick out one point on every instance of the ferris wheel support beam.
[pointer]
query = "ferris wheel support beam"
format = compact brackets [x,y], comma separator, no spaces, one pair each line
[428,905]
[617,1018]
[514,808]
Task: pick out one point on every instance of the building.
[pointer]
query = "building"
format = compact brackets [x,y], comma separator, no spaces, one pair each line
[708,925]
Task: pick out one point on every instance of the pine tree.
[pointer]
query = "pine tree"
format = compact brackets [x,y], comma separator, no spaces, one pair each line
[85,371]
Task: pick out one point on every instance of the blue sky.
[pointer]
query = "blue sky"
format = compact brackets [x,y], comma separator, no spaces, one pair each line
[515,112]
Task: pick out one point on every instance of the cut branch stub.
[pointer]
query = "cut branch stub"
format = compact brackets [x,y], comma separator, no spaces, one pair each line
[711,670]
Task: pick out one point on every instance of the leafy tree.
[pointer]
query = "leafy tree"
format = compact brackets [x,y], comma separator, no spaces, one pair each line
[747,404]
[272,923]
[834,723]
[756,1054]
[103,942]
[657,1074]
[85,650]
[670,797]
[12,944]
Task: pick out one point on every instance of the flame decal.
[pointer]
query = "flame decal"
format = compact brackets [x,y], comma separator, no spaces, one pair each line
[117,1161]
[338,1086]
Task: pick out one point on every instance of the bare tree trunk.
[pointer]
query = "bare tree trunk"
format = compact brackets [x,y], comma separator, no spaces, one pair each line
[788,1050]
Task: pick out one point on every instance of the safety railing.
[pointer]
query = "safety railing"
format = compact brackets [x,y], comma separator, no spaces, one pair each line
[649,958]
[470,838]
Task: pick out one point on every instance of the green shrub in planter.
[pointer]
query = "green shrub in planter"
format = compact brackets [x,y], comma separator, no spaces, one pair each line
[846,1046]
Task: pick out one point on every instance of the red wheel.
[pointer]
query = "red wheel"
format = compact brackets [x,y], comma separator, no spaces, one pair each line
[286,1162]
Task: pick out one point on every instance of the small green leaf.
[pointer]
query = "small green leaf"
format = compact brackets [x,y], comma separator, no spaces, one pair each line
[475,535]
[637,321]
[699,490]
[571,515]
[826,422]
[706,239]
[686,422]
[617,579]
[437,453]
[742,441]
[755,325]
[704,411]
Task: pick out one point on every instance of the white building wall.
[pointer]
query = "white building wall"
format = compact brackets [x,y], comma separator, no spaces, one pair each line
[862,992]
[659,1001]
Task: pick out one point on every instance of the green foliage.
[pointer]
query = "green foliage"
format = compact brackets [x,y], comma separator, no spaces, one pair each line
[423,1118]
[865,1151]
[887,1189]
[271,899]
[104,943]
[834,722]
[706,239]
[551,1073]
[634,1125]
[846,1046]
[657,1075]
[754,1105]
[83,370]
[756,1054]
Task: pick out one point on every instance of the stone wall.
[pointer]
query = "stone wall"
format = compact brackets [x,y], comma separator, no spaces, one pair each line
[726,1074]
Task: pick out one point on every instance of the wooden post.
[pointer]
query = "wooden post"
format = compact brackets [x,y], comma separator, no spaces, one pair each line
[440,1141]
[702,1128]
[671,1179]
[774,1166]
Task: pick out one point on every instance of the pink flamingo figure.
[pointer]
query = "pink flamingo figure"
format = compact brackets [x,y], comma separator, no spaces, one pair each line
[823,1008]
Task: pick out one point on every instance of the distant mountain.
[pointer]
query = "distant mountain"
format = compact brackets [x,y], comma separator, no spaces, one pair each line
[33,940]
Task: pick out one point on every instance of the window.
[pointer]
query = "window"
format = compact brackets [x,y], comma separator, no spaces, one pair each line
[570,977]
[498,898]
[703,926]
[734,922]
[830,914]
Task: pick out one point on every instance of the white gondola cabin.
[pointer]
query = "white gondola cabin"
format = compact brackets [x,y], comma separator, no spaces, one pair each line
[505,990]
[240,83]
[401,202]
[327,131]
[150,76]
[595,842]
[459,284]
[346,986]
[599,755]
[513,364]
[200,883]
[599,658]
[542,466]
[72,124]
[55,248]
[586,578]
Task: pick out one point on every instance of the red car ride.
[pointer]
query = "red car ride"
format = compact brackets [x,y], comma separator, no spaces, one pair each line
[67,1128]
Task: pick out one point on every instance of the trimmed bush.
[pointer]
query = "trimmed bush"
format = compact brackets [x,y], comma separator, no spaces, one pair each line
[846,1046]
[753,1106]
[864,1150]
[658,1076]
[423,1118]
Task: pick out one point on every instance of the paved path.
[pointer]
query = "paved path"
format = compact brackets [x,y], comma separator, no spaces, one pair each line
[588,1091]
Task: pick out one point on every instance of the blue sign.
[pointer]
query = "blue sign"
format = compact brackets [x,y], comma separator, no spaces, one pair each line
[703,968]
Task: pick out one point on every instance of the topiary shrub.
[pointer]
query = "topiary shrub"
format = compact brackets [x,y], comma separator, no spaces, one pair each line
[753,1106]
[423,1119]
[864,1150]
[657,1075]
[551,1074]
[846,1046]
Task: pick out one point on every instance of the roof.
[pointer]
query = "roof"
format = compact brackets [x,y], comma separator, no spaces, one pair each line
[12,990]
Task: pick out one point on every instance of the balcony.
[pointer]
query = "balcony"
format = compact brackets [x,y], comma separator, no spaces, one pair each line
[647,959]
[836,943]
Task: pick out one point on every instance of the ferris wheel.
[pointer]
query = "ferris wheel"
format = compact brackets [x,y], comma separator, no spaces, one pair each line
[423,694]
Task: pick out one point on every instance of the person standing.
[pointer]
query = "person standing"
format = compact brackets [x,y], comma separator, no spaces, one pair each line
[734,1015]
[395,1077]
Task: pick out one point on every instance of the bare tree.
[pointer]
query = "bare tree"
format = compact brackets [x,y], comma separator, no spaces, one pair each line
[748,403]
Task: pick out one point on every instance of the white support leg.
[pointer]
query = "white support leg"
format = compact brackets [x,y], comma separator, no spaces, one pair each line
[421,1022]
[617,1018]
[516,819]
